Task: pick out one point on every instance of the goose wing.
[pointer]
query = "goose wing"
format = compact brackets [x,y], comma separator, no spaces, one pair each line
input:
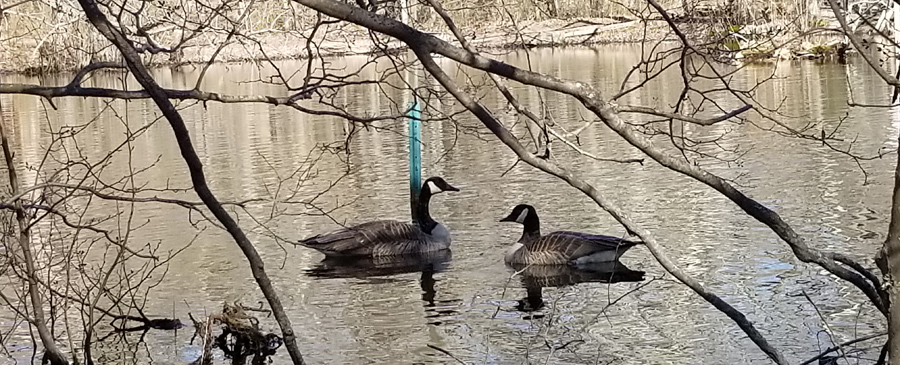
[563,246]
[362,239]
[598,242]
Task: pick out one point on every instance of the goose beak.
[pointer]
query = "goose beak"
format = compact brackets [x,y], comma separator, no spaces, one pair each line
[451,188]
[508,218]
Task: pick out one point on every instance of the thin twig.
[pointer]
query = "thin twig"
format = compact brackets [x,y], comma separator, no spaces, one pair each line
[841,345]
[446,353]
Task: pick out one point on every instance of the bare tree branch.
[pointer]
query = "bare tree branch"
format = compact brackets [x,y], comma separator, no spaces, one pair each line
[257,267]
[592,99]
[649,240]
[52,354]
[683,118]
[841,345]
[857,43]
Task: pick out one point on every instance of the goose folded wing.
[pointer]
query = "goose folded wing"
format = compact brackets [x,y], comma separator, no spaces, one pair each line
[579,243]
[363,236]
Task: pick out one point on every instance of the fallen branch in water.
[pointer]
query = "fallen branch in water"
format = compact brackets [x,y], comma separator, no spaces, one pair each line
[241,336]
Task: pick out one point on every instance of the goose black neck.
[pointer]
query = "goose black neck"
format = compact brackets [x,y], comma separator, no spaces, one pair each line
[423,217]
[532,226]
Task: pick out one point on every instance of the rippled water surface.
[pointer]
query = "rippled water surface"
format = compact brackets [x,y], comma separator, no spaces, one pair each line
[466,304]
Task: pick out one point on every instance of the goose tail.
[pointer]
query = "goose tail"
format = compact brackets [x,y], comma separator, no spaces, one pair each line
[323,240]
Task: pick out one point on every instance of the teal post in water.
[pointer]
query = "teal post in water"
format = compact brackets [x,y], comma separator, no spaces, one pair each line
[415,157]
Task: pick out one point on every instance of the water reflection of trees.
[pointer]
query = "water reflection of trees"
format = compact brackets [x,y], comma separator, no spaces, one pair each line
[78,252]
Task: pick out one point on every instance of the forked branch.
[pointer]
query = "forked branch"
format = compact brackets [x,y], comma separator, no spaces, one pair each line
[590,97]
[609,206]
[52,354]
[195,167]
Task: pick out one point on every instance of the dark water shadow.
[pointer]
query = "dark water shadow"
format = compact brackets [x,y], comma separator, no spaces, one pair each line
[239,347]
[119,343]
[379,270]
[364,267]
[537,277]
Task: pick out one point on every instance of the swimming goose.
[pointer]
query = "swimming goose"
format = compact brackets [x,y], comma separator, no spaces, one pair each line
[390,237]
[561,247]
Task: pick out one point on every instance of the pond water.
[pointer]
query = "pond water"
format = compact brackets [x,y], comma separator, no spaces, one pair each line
[467,304]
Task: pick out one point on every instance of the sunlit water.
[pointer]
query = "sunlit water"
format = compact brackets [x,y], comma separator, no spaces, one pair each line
[467,305]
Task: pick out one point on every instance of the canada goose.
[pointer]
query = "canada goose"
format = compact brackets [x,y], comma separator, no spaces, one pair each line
[561,247]
[389,237]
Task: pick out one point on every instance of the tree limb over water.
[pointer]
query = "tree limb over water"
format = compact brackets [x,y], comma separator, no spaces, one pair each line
[683,118]
[70,90]
[425,44]
[695,61]
[195,166]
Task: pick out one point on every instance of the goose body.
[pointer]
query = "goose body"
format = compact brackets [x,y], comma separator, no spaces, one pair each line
[561,247]
[389,237]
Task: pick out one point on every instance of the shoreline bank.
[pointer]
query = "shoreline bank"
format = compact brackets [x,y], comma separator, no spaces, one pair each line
[354,41]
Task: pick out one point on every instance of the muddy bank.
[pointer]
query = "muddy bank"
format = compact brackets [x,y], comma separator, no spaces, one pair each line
[750,43]
[351,40]
[21,57]
[549,33]
[766,42]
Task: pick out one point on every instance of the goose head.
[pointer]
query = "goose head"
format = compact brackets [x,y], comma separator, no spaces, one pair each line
[435,185]
[525,215]
[431,186]
[520,214]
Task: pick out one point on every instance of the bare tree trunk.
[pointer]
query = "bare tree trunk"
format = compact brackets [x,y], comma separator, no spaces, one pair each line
[892,248]
[554,8]
[195,167]
[51,352]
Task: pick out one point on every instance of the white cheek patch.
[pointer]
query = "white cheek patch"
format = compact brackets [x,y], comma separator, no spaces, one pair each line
[433,187]
[522,216]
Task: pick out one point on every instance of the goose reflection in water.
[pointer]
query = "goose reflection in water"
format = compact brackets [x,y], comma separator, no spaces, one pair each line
[383,267]
[537,277]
